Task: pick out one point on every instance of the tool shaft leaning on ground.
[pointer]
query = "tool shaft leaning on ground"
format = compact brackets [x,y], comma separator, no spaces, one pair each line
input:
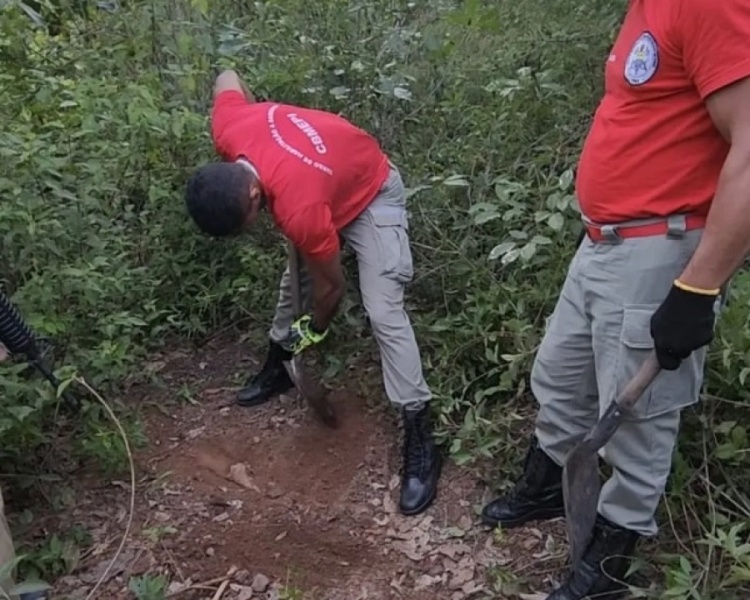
[311,390]
[581,483]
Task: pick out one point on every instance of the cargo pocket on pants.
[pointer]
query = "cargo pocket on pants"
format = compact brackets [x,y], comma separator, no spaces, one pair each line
[392,242]
[672,390]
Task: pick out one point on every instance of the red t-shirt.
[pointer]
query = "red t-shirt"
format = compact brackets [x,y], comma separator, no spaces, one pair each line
[318,170]
[653,149]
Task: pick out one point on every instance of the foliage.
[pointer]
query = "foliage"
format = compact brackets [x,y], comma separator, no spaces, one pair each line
[483,105]
[148,587]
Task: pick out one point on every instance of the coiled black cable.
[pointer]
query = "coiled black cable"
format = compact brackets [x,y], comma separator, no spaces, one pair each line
[18,338]
[15,334]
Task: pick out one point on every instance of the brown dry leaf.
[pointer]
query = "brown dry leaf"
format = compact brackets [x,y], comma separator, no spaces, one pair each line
[238,474]
[453,550]
[397,582]
[100,549]
[393,484]
[472,588]
[424,581]
[382,522]
[122,563]
[177,586]
[409,550]
[455,532]
[465,523]
[194,433]
[530,543]
[243,592]
[535,596]
[421,538]
[388,504]
[407,525]
[260,583]
[463,573]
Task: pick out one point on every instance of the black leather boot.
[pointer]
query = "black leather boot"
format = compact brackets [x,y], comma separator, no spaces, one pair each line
[272,379]
[34,596]
[601,572]
[537,495]
[422,463]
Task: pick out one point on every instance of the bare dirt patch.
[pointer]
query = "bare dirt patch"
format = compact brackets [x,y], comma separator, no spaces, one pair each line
[268,503]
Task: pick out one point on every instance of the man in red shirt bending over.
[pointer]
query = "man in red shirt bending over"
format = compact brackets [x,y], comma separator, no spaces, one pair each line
[320,177]
[664,189]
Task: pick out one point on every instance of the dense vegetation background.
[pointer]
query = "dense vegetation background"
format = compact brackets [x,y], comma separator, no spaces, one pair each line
[484,106]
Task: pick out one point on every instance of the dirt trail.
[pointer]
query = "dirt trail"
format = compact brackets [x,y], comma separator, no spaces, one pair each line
[295,510]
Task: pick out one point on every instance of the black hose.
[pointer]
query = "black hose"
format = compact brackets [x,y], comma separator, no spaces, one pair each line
[15,334]
[18,338]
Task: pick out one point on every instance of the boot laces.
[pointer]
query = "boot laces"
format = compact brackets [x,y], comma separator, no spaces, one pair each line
[528,482]
[415,454]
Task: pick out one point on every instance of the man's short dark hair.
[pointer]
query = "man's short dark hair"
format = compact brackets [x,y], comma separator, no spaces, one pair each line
[216,198]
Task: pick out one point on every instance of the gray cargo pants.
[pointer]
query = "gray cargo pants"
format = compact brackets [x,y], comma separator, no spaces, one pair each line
[380,239]
[595,340]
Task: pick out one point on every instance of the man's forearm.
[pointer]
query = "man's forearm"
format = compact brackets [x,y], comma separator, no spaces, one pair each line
[726,239]
[229,79]
[249,96]
[326,301]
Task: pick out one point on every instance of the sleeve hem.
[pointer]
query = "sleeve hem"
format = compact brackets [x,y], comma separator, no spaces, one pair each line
[322,255]
[724,78]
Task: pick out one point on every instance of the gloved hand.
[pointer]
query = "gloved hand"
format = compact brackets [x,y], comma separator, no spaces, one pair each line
[302,335]
[682,324]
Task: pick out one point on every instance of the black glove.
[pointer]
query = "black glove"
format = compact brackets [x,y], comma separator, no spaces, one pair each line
[683,323]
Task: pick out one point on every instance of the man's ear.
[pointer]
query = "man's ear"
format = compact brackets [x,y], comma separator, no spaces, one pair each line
[257,197]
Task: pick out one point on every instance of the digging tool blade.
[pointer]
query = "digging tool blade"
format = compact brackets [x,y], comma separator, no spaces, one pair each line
[581,483]
[311,390]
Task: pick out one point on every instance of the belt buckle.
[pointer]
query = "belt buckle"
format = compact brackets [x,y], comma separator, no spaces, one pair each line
[611,234]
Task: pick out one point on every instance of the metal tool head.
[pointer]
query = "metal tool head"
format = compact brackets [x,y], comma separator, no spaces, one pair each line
[581,483]
[312,391]
[581,488]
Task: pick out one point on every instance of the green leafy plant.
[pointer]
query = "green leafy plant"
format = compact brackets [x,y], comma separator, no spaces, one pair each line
[148,587]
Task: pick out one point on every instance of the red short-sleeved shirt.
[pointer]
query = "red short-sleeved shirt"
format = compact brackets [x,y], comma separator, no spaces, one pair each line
[318,170]
[653,149]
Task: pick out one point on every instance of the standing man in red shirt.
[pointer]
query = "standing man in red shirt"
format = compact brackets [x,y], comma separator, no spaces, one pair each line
[320,177]
[664,190]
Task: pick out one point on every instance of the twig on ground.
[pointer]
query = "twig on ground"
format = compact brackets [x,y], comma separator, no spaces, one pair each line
[224,580]
[222,588]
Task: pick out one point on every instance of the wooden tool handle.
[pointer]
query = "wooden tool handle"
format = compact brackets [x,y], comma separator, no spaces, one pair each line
[636,386]
[294,273]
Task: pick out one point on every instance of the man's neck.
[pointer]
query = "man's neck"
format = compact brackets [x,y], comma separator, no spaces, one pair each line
[249,166]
